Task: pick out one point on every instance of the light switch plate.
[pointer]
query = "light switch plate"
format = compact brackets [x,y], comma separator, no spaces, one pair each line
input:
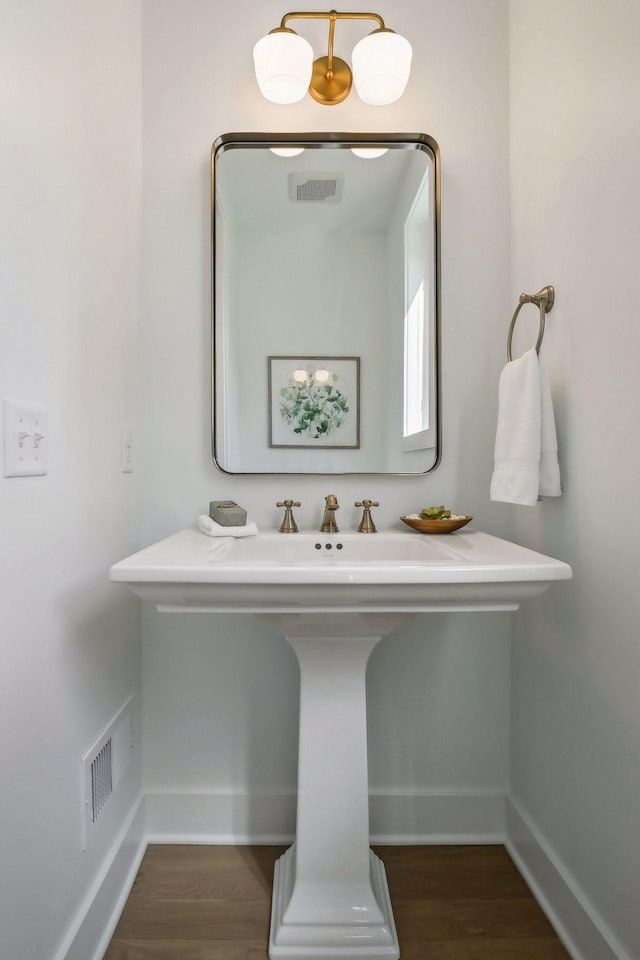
[26,441]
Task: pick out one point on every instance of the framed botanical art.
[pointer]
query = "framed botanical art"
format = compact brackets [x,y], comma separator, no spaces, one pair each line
[314,402]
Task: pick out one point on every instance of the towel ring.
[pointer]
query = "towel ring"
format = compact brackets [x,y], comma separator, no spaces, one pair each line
[544,299]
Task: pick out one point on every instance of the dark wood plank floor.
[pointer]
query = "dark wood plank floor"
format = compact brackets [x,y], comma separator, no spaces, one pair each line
[449,903]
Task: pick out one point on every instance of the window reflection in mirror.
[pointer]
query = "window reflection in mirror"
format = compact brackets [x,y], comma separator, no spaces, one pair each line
[419,399]
[326,252]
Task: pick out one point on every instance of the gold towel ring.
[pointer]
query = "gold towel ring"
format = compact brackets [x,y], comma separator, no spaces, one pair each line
[544,299]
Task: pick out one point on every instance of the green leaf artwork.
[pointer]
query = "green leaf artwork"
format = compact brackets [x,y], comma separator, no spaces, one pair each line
[313,410]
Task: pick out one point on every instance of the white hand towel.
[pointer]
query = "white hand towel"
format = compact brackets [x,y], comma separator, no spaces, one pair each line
[526,461]
[213,529]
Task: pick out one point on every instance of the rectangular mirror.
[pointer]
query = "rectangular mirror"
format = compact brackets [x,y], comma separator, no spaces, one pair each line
[326,303]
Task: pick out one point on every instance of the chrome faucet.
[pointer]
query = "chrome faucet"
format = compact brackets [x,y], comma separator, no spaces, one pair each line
[329,524]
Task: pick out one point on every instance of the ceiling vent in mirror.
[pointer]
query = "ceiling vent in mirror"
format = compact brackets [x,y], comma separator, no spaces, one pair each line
[315,187]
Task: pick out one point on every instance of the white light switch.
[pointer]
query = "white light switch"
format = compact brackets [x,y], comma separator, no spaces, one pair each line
[127,450]
[26,441]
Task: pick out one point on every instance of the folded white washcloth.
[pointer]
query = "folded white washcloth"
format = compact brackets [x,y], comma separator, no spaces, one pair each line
[213,529]
[526,461]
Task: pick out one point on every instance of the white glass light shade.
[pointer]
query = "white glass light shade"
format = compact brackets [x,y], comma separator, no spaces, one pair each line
[369,153]
[381,65]
[283,63]
[287,151]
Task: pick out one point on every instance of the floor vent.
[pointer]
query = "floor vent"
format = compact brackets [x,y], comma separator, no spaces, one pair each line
[103,766]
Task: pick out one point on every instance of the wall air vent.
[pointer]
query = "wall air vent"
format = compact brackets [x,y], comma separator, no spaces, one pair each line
[101,780]
[103,766]
[316,187]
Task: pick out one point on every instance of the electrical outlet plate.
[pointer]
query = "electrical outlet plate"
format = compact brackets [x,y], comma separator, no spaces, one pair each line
[26,442]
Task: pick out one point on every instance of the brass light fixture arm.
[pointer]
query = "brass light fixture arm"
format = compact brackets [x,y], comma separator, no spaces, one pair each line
[332,15]
[332,30]
[331,78]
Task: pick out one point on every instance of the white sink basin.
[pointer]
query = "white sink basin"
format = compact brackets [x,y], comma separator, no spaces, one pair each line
[333,598]
[382,572]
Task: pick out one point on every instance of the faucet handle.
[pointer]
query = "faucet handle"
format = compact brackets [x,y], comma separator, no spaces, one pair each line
[288,524]
[366,524]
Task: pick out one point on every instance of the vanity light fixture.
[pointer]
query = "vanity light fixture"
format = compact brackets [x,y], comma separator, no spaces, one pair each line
[285,68]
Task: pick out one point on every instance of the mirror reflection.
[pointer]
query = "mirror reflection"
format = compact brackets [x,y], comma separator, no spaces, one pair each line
[326,301]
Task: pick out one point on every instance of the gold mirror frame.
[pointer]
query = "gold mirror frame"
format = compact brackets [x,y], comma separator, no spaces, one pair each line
[420,141]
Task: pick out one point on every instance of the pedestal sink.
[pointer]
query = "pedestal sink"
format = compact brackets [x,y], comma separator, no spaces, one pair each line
[334,597]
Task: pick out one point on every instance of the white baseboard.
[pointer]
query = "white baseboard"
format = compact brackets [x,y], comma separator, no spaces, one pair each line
[101,908]
[576,922]
[436,816]
[428,816]
[221,816]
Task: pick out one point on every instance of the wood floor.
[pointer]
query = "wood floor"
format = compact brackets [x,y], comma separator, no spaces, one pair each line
[449,903]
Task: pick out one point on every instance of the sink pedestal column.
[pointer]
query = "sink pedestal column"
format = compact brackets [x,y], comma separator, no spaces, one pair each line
[330,898]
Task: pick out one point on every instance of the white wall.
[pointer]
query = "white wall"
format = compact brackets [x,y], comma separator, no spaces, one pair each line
[220,694]
[575,119]
[70,167]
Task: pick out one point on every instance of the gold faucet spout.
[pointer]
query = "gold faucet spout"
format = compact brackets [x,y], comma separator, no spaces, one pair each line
[329,524]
